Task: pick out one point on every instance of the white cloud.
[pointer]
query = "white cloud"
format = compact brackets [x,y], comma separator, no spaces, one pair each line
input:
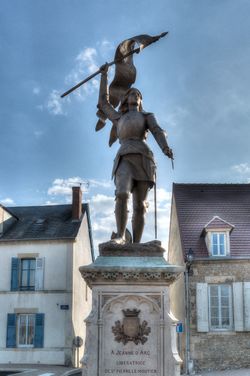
[100,183]
[175,117]
[54,103]
[242,168]
[86,62]
[36,90]
[7,201]
[87,59]
[38,133]
[63,187]
[49,202]
[106,47]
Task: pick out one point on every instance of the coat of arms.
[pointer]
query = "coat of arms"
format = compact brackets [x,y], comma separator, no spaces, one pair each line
[130,329]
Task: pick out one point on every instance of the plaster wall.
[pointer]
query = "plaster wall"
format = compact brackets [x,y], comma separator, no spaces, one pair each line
[57,291]
[221,349]
[58,267]
[177,289]
[54,328]
[81,296]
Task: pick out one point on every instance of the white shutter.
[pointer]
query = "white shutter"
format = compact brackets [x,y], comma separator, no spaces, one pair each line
[202,307]
[247,305]
[238,306]
[39,273]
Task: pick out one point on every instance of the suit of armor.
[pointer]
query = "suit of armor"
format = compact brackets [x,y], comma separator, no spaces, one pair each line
[134,165]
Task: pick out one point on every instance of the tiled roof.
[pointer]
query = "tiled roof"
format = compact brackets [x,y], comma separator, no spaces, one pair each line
[42,223]
[197,204]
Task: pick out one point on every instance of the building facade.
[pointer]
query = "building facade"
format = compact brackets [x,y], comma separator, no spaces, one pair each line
[210,233]
[43,298]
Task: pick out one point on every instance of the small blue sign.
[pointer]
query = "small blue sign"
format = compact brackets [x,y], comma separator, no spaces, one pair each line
[179,327]
[64,307]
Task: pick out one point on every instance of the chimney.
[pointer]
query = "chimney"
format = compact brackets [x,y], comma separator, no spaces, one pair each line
[76,203]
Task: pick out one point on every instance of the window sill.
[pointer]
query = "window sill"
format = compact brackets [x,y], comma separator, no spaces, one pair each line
[25,347]
[221,331]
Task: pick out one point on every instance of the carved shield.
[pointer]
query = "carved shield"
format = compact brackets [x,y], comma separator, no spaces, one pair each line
[131,326]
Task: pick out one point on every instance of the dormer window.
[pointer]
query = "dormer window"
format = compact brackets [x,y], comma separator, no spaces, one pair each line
[217,237]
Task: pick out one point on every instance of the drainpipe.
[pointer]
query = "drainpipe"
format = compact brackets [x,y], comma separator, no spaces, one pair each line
[188,362]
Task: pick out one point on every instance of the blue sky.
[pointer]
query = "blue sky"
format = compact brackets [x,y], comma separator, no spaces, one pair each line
[196,81]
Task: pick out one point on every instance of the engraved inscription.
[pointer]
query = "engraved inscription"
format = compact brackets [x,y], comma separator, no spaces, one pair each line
[124,365]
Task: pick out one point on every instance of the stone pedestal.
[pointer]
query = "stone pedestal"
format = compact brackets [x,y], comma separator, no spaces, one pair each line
[130,329]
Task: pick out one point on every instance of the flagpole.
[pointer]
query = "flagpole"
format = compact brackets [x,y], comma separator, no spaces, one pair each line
[136,50]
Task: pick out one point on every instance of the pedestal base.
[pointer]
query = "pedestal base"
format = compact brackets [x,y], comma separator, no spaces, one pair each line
[130,329]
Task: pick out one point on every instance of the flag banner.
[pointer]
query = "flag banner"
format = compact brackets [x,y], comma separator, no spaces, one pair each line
[125,71]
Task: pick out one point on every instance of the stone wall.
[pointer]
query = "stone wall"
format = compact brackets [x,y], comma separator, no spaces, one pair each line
[221,349]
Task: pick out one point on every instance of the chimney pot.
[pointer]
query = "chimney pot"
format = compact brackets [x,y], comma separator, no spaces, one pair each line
[76,203]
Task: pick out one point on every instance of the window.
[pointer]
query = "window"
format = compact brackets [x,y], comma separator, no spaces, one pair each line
[223,307]
[28,270]
[220,307]
[26,330]
[218,243]
[27,274]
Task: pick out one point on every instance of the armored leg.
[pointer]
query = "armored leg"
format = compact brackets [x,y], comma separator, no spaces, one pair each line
[140,192]
[121,213]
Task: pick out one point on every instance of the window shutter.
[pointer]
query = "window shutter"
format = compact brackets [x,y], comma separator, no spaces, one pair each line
[39,273]
[39,330]
[247,305]
[238,306]
[14,274]
[11,330]
[202,307]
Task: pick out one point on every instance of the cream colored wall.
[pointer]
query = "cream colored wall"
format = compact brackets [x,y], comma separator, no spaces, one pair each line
[81,297]
[57,291]
[54,329]
[177,290]
[57,265]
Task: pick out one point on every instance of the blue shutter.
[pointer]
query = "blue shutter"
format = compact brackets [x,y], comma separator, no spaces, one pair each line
[39,330]
[14,274]
[11,330]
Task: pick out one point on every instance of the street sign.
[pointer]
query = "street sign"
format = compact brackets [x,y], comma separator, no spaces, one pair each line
[64,307]
[179,327]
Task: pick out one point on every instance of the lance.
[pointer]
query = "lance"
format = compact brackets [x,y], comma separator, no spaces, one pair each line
[155,206]
[135,51]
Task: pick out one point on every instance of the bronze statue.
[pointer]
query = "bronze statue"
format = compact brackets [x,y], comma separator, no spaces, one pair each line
[134,165]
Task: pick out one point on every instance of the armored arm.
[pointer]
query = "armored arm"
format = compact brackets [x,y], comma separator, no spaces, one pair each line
[159,135]
[103,102]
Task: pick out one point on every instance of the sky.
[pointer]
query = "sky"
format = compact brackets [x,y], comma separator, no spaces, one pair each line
[196,81]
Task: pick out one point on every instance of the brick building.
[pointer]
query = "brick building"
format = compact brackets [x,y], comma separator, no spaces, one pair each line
[210,233]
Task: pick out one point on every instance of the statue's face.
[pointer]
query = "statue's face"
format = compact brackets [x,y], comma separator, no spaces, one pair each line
[134,97]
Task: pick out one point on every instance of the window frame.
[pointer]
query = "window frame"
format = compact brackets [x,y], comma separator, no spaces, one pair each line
[26,330]
[28,287]
[230,308]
